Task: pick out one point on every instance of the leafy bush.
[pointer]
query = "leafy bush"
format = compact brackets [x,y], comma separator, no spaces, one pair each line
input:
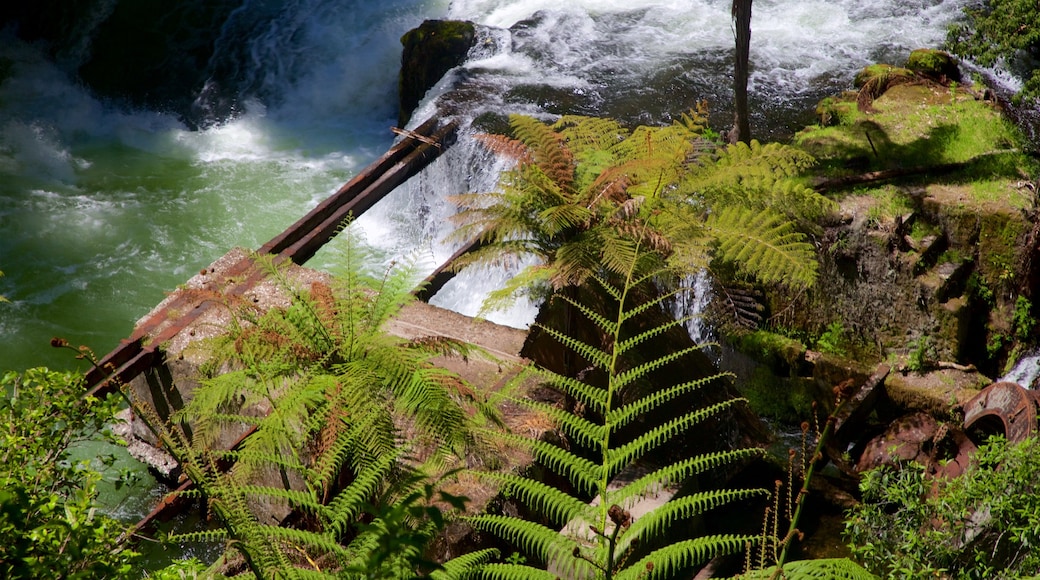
[983,524]
[49,523]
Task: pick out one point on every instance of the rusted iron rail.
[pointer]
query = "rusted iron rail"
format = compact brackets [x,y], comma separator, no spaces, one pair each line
[297,243]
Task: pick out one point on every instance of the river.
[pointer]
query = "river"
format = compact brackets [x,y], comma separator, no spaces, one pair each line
[104,208]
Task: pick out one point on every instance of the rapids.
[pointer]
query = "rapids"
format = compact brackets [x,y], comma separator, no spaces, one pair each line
[104,207]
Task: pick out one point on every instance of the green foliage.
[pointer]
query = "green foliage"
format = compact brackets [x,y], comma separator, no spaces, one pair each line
[1001,31]
[983,524]
[49,523]
[586,191]
[1022,318]
[601,539]
[921,355]
[327,394]
[820,569]
[833,339]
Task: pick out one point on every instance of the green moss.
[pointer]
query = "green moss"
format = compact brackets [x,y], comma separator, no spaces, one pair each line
[787,400]
[998,247]
[879,71]
[776,351]
[933,63]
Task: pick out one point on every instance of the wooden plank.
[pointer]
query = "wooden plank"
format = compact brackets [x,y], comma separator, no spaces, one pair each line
[349,191]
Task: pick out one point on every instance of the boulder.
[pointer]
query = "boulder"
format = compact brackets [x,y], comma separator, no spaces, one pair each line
[430,51]
[934,64]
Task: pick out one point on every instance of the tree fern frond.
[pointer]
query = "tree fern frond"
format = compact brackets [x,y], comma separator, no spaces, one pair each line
[465,566]
[818,569]
[619,458]
[764,245]
[582,473]
[634,341]
[592,396]
[505,146]
[674,558]
[577,429]
[593,354]
[607,325]
[656,522]
[676,473]
[546,543]
[556,505]
[623,415]
[501,571]
[198,537]
[625,378]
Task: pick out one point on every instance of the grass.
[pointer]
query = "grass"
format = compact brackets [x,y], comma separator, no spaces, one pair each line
[915,125]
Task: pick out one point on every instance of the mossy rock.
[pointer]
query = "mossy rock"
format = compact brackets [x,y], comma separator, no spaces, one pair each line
[870,72]
[833,111]
[934,64]
[782,355]
[430,51]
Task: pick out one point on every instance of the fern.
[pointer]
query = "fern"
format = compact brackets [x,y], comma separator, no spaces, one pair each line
[584,192]
[328,395]
[600,539]
[821,569]
[764,245]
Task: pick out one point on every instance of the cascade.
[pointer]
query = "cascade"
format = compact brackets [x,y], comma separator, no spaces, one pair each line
[103,208]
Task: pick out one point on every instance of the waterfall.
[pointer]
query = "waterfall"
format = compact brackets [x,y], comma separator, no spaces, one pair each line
[104,208]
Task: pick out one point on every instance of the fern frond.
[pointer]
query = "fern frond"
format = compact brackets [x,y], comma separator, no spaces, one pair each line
[619,458]
[581,472]
[818,569]
[674,558]
[546,543]
[605,324]
[500,571]
[590,395]
[625,378]
[596,356]
[618,418]
[676,473]
[558,506]
[577,429]
[656,522]
[764,245]
[465,566]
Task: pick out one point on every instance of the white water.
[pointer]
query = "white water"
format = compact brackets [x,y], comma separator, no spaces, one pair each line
[102,210]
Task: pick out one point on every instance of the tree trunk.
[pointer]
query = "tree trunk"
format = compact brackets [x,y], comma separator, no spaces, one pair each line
[742,31]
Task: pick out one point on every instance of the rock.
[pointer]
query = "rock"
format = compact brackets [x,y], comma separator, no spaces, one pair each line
[867,73]
[430,51]
[934,64]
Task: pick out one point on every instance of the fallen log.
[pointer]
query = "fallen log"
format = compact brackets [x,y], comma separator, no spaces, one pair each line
[886,174]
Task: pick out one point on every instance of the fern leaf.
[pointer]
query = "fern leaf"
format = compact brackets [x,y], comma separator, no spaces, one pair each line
[558,506]
[590,395]
[501,571]
[819,569]
[672,559]
[581,472]
[676,473]
[465,566]
[531,537]
[622,380]
[599,358]
[618,418]
[577,429]
[620,457]
[656,522]
[764,245]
